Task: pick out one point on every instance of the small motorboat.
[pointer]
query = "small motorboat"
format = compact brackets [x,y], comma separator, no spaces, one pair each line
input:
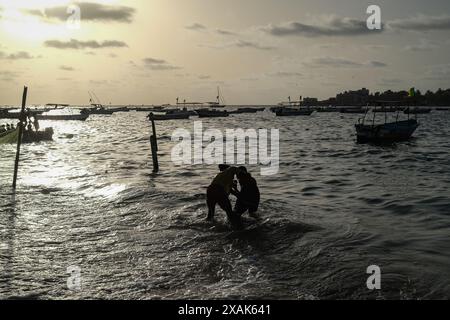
[287,112]
[388,132]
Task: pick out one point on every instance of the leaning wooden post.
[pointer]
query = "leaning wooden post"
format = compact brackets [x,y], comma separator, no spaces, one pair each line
[19,139]
[154,145]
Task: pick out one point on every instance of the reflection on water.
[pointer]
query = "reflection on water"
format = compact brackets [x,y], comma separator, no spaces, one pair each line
[89,199]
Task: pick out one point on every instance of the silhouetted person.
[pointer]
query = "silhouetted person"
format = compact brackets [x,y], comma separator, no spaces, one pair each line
[36,124]
[219,191]
[248,197]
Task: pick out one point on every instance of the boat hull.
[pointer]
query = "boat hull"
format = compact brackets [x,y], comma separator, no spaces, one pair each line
[163,117]
[212,114]
[77,117]
[27,137]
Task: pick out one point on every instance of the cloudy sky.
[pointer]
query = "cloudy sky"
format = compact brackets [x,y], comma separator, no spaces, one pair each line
[257,51]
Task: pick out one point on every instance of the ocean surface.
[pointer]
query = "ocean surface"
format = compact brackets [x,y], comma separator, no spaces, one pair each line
[89,200]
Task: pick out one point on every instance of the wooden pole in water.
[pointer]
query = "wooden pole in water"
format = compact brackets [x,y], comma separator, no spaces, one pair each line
[19,139]
[154,145]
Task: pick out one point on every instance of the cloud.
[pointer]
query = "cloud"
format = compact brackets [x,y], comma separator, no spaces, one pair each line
[89,12]
[196,27]
[242,44]
[326,26]
[376,64]
[21,55]
[79,45]
[342,63]
[422,23]
[250,44]
[8,75]
[154,61]
[158,65]
[225,32]
[66,68]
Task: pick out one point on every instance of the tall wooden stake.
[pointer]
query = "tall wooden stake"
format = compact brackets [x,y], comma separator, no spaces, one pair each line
[154,145]
[19,139]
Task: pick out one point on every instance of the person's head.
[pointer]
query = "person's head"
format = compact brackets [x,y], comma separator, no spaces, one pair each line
[223,167]
[242,173]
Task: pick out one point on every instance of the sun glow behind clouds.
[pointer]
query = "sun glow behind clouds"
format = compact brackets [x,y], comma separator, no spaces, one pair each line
[20,26]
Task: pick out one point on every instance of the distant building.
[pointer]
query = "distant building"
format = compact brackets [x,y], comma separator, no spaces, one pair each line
[310,102]
[353,98]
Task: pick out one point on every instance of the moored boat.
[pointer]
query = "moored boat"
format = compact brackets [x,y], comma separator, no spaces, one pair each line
[388,132]
[83,116]
[98,109]
[394,131]
[170,115]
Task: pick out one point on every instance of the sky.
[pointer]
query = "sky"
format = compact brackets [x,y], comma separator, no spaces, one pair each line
[256,51]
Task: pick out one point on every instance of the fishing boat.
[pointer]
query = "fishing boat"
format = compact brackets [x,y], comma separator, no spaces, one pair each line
[28,136]
[289,112]
[417,110]
[120,109]
[395,131]
[98,109]
[211,113]
[170,115]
